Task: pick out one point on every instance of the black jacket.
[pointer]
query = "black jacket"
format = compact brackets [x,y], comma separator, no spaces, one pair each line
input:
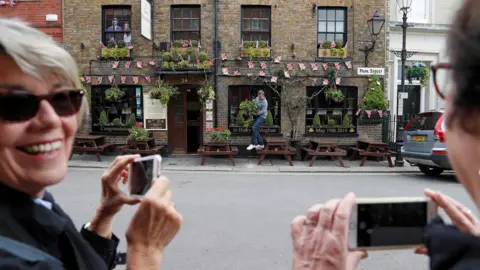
[448,248]
[51,231]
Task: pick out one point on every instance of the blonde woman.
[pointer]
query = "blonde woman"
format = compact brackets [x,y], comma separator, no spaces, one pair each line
[41,106]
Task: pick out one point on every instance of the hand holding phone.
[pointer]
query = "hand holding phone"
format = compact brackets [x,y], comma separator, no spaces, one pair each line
[142,173]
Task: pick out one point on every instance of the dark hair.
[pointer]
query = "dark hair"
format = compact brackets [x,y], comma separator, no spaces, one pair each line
[464,51]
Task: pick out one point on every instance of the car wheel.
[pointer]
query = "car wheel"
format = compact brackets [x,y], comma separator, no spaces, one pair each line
[431,171]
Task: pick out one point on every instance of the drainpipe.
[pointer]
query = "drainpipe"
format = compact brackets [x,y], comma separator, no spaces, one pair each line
[215,56]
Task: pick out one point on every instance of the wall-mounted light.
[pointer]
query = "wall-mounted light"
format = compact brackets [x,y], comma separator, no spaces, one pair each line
[375,25]
[314,8]
[51,18]
[82,46]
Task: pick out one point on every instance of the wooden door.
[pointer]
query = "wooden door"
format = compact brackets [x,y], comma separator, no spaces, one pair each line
[177,124]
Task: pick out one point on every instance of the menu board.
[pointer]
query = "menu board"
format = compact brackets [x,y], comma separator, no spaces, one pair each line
[155,114]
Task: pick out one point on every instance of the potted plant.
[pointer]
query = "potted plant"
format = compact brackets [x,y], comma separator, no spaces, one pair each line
[420,72]
[163,92]
[334,95]
[220,135]
[373,102]
[325,49]
[269,119]
[338,50]
[248,107]
[186,45]
[137,134]
[115,51]
[251,50]
[114,94]
[206,94]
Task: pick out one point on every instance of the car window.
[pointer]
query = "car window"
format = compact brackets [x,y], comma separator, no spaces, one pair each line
[424,121]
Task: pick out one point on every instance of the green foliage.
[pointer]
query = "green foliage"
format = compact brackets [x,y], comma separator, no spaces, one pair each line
[163,91]
[206,93]
[247,44]
[262,44]
[327,45]
[346,120]
[419,71]
[115,53]
[167,56]
[335,95]
[219,134]
[194,43]
[339,44]
[249,106]
[239,120]
[138,134]
[117,122]
[331,122]
[248,123]
[342,52]
[111,44]
[316,120]
[114,94]
[203,56]
[177,44]
[374,97]
[132,120]
[269,119]
[121,44]
[253,52]
[166,65]
[103,120]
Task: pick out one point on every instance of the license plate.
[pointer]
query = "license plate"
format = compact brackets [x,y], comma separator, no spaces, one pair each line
[418,138]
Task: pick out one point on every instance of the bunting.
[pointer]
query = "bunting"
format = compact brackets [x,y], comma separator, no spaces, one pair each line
[110,78]
[225,71]
[149,80]
[274,79]
[89,79]
[302,66]
[263,65]
[99,79]
[123,79]
[135,79]
[251,64]
[115,64]
[140,64]
[127,64]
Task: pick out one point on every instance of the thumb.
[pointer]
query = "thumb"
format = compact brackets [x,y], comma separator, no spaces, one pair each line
[354,257]
[130,200]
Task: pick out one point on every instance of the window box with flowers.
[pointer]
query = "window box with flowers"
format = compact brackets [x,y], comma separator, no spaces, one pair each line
[116,51]
[219,135]
[332,49]
[185,56]
[255,49]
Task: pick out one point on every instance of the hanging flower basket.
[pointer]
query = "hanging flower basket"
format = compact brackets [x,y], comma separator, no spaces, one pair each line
[206,94]
[334,95]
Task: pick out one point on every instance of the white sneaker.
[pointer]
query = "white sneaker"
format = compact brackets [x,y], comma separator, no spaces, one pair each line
[259,147]
[250,147]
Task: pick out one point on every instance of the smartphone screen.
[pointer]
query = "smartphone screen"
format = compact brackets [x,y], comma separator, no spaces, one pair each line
[391,224]
[141,176]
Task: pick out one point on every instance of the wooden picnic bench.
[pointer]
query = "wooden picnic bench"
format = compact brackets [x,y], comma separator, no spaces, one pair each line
[91,144]
[366,148]
[143,148]
[276,146]
[326,149]
[218,149]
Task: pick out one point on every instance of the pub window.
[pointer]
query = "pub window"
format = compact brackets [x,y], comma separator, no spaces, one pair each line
[332,117]
[185,22]
[116,115]
[238,121]
[256,21]
[332,24]
[117,24]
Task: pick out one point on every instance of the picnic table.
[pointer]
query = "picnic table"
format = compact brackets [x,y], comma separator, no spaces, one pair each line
[218,149]
[368,148]
[326,149]
[276,146]
[93,144]
[144,148]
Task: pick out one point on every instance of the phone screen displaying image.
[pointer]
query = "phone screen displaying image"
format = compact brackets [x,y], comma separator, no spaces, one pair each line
[391,224]
[141,176]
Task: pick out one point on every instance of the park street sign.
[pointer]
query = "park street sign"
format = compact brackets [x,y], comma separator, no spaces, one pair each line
[366,71]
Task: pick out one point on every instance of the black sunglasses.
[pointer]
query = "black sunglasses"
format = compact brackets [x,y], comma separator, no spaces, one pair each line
[20,105]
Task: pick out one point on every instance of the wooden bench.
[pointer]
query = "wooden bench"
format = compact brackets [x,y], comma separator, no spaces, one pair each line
[324,149]
[205,151]
[367,148]
[287,153]
[388,155]
[144,152]
[91,144]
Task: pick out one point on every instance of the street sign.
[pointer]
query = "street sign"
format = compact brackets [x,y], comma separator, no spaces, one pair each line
[366,71]
[403,95]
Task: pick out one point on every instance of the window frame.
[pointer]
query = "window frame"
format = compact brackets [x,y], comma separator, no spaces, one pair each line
[242,9]
[270,96]
[104,20]
[172,18]
[345,33]
[325,130]
[133,105]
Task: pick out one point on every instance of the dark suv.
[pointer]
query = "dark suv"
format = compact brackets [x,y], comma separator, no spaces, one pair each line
[424,143]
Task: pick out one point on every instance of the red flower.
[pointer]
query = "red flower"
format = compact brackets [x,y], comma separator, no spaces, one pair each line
[217,129]
[246,99]
[222,128]
[138,124]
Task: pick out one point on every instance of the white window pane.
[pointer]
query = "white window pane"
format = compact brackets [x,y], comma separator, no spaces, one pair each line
[338,37]
[340,15]
[340,27]
[331,37]
[322,26]
[418,12]
[322,37]
[331,27]
[322,14]
[331,14]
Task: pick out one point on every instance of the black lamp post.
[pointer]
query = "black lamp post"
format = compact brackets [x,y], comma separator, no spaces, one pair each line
[375,25]
[404,8]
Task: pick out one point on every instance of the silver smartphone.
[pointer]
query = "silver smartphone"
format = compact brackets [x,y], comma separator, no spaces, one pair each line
[142,173]
[389,223]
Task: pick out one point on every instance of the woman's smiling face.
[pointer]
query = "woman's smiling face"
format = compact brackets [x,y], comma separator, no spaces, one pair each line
[34,153]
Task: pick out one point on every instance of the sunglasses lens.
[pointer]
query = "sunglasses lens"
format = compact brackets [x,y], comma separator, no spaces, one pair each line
[18,107]
[444,80]
[68,102]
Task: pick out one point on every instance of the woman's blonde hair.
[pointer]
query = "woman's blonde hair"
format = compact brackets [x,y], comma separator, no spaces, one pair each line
[36,53]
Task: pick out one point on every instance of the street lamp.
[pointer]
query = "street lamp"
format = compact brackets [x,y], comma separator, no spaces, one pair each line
[375,25]
[404,8]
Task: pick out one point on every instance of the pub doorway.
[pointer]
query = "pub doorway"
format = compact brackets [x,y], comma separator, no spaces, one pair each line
[185,121]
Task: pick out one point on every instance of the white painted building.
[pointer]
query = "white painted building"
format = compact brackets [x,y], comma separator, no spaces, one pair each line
[427,38]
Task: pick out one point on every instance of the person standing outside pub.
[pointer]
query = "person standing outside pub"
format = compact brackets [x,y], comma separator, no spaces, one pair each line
[262,104]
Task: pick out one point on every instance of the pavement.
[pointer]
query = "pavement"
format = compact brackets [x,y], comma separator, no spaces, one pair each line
[241,221]
[192,163]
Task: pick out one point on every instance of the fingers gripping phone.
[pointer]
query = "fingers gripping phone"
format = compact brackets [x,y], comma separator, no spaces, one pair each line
[389,223]
[142,173]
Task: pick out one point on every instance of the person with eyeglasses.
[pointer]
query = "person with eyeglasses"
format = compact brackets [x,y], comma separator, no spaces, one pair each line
[320,236]
[41,107]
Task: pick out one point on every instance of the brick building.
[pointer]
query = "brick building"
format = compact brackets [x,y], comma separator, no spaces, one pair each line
[45,15]
[243,47]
